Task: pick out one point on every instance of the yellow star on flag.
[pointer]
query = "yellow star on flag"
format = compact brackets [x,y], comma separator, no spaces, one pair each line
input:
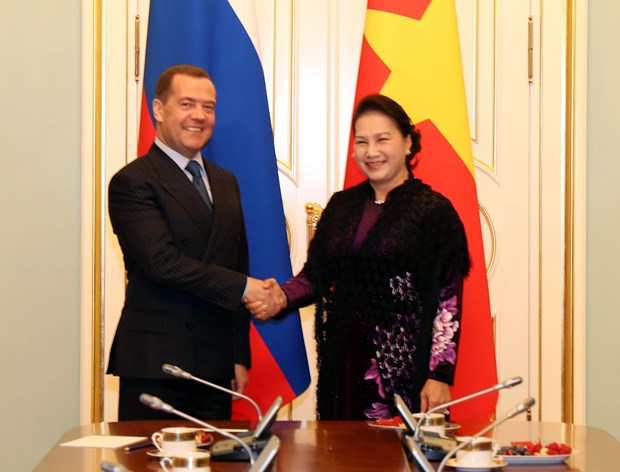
[426,74]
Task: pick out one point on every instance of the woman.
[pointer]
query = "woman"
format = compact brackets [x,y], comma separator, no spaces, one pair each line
[386,270]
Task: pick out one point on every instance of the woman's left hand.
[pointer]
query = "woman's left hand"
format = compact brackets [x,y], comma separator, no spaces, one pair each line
[433,394]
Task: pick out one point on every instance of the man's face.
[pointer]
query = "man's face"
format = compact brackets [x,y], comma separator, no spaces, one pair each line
[185,121]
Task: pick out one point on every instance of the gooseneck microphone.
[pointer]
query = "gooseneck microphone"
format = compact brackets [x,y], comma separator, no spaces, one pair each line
[405,414]
[226,450]
[264,460]
[157,404]
[520,408]
[435,446]
[180,373]
[423,464]
[500,386]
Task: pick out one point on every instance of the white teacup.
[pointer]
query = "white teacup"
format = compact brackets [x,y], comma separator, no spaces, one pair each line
[174,441]
[188,462]
[480,453]
[435,422]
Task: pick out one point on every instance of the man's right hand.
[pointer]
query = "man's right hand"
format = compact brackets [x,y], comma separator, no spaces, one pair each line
[264,298]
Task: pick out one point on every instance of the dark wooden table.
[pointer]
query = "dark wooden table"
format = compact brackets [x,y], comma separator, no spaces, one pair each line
[334,446]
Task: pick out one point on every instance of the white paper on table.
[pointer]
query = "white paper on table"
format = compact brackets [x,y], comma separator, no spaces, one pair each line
[110,442]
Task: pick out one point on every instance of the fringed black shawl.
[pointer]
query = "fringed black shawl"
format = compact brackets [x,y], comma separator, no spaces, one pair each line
[413,256]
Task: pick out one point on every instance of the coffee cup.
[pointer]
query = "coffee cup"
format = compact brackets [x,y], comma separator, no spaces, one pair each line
[434,422]
[187,462]
[174,441]
[479,453]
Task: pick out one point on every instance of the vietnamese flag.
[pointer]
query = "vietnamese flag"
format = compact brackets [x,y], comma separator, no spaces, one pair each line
[220,36]
[411,53]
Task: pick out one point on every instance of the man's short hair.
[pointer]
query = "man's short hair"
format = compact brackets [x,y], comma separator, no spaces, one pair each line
[162,87]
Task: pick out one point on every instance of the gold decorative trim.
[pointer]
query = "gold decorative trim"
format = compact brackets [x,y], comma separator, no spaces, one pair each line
[568,373]
[474,127]
[287,164]
[489,222]
[313,215]
[530,49]
[136,48]
[476,94]
[289,235]
[98,355]
[539,394]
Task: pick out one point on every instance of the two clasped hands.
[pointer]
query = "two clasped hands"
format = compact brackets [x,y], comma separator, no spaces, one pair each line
[264,298]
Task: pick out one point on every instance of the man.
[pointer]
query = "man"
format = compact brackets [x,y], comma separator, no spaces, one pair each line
[182,234]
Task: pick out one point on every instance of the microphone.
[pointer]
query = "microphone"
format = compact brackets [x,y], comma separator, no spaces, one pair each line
[520,408]
[157,404]
[435,446]
[423,464]
[226,450]
[109,467]
[180,373]
[500,386]
[266,457]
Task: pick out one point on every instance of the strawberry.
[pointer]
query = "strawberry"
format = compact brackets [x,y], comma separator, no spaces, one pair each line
[565,449]
[396,421]
[553,446]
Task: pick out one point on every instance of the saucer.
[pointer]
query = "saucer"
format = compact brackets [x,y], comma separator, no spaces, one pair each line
[498,464]
[157,453]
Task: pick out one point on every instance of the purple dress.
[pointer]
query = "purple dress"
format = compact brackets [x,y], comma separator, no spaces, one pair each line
[388,311]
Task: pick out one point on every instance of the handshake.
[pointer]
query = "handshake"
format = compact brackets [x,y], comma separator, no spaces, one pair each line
[264,298]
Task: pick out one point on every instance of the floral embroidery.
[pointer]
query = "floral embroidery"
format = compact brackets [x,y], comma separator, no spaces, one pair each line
[378,411]
[443,348]
[373,373]
[393,368]
[402,288]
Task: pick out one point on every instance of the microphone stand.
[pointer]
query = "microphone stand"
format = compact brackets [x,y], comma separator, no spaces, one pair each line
[267,456]
[157,404]
[180,373]
[110,467]
[227,450]
[435,447]
[520,408]
[505,384]
[417,454]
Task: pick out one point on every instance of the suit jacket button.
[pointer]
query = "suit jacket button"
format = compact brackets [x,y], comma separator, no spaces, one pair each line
[190,325]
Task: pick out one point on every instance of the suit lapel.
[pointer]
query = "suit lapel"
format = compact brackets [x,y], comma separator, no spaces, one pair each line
[178,185]
[219,192]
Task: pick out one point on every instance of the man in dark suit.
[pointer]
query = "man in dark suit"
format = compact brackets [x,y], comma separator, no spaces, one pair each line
[182,234]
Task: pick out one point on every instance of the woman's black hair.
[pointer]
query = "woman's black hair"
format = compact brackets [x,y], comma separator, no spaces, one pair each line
[390,108]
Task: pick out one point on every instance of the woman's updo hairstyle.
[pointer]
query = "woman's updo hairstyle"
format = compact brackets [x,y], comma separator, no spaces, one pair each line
[388,107]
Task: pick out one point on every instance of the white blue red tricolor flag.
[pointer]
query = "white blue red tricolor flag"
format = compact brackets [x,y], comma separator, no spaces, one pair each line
[219,36]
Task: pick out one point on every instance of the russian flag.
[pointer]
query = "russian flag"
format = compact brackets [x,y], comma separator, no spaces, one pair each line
[219,36]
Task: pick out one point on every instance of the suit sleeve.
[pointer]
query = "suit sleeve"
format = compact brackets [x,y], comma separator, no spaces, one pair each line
[139,220]
[242,322]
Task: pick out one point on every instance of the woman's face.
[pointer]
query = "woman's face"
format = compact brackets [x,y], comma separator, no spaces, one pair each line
[380,151]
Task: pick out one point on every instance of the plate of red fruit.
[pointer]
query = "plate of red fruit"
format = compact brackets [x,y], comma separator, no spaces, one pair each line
[535,453]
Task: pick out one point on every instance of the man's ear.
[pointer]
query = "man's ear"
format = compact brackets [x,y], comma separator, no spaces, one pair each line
[157,109]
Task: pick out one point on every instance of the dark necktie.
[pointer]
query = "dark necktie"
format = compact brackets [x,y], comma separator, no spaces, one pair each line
[194,168]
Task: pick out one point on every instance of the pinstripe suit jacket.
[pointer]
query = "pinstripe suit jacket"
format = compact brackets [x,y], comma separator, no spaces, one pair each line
[186,272]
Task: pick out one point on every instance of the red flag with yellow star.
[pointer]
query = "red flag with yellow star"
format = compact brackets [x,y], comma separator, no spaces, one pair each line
[411,53]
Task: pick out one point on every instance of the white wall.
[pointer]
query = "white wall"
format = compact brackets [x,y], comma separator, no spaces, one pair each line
[603,253]
[40,85]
